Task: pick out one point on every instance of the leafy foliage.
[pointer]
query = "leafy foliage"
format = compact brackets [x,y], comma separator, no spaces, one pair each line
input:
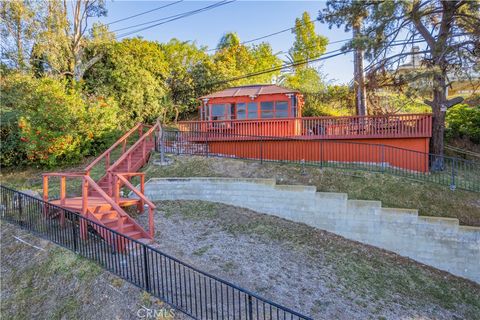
[133,73]
[463,121]
[55,125]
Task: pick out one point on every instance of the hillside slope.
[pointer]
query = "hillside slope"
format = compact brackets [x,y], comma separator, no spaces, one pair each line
[41,280]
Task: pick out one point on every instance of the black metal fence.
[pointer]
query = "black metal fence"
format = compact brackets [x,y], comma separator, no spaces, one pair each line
[452,172]
[196,293]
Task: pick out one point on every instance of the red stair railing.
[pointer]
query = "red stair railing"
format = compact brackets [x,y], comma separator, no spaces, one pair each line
[120,178]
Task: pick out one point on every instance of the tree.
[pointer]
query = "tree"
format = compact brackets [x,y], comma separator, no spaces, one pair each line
[308,44]
[189,68]
[234,59]
[18,29]
[450,29]
[133,72]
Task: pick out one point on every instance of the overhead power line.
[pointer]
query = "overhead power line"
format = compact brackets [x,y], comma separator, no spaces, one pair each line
[325,56]
[144,12]
[173,18]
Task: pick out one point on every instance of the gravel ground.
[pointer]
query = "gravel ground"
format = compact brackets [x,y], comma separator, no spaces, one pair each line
[312,271]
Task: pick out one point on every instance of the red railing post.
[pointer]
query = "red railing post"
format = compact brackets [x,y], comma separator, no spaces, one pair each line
[62,190]
[116,190]
[83,222]
[107,161]
[45,195]
[45,188]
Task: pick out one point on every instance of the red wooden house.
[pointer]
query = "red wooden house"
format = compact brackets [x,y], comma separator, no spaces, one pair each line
[251,103]
[232,122]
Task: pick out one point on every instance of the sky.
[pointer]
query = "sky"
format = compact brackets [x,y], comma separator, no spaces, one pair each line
[250,19]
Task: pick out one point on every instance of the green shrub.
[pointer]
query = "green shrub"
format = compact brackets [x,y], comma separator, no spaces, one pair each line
[56,125]
[11,150]
[463,121]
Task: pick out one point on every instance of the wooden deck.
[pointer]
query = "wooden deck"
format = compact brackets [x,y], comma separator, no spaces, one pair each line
[75,203]
[332,128]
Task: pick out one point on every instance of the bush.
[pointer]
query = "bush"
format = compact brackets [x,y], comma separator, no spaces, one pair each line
[11,150]
[463,121]
[56,125]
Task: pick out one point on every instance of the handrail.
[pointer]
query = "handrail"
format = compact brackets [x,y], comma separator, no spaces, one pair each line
[109,200]
[135,190]
[64,174]
[113,146]
[309,118]
[135,145]
[151,206]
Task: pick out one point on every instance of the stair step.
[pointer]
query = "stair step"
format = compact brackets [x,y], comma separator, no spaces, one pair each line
[135,234]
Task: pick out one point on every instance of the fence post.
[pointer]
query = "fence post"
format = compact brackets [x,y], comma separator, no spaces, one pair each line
[206,144]
[20,209]
[250,308]
[261,150]
[452,181]
[75,236]
[383,158]
[145,270]
[162,146]
[321,153]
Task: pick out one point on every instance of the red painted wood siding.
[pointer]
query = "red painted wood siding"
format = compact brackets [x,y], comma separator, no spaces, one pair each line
[410,154]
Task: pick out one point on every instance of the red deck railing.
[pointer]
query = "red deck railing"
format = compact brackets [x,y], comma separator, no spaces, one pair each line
[351,127]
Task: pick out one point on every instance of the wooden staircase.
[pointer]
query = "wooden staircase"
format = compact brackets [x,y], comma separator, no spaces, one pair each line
[101,200]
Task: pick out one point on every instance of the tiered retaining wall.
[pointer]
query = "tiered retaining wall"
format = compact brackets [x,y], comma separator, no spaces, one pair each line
[438,242]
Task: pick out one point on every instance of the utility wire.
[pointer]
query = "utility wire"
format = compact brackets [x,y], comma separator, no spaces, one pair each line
[144,12]
[174,17]
[325,56]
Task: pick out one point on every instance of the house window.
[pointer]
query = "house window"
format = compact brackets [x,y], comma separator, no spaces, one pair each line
[221,111]
[252,110]
[294,105]
[241,111]
[266,109]
[281,109]
[218,111]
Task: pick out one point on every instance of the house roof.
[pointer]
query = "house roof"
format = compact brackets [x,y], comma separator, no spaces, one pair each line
[250,90]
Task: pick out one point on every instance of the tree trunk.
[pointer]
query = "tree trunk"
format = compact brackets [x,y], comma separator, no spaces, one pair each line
[359,77]
[439,108]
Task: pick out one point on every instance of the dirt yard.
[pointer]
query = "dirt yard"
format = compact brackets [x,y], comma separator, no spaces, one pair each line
[312,271]
[40,280]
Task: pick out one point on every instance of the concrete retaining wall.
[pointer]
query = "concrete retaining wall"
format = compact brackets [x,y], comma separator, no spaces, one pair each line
[438,242]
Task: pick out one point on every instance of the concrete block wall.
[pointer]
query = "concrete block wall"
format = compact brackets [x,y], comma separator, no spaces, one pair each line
[438,242]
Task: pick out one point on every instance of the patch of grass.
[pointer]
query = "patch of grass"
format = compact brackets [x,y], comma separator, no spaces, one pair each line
[201,251]
[429,198]
[192,209]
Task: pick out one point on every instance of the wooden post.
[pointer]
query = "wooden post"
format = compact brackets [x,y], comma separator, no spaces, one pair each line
[144,149]
[45,188]
[116,190]
[124,145]
[107,162]
[63,190]
[45,196]
[142,190]
[83,222]
[109,177]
